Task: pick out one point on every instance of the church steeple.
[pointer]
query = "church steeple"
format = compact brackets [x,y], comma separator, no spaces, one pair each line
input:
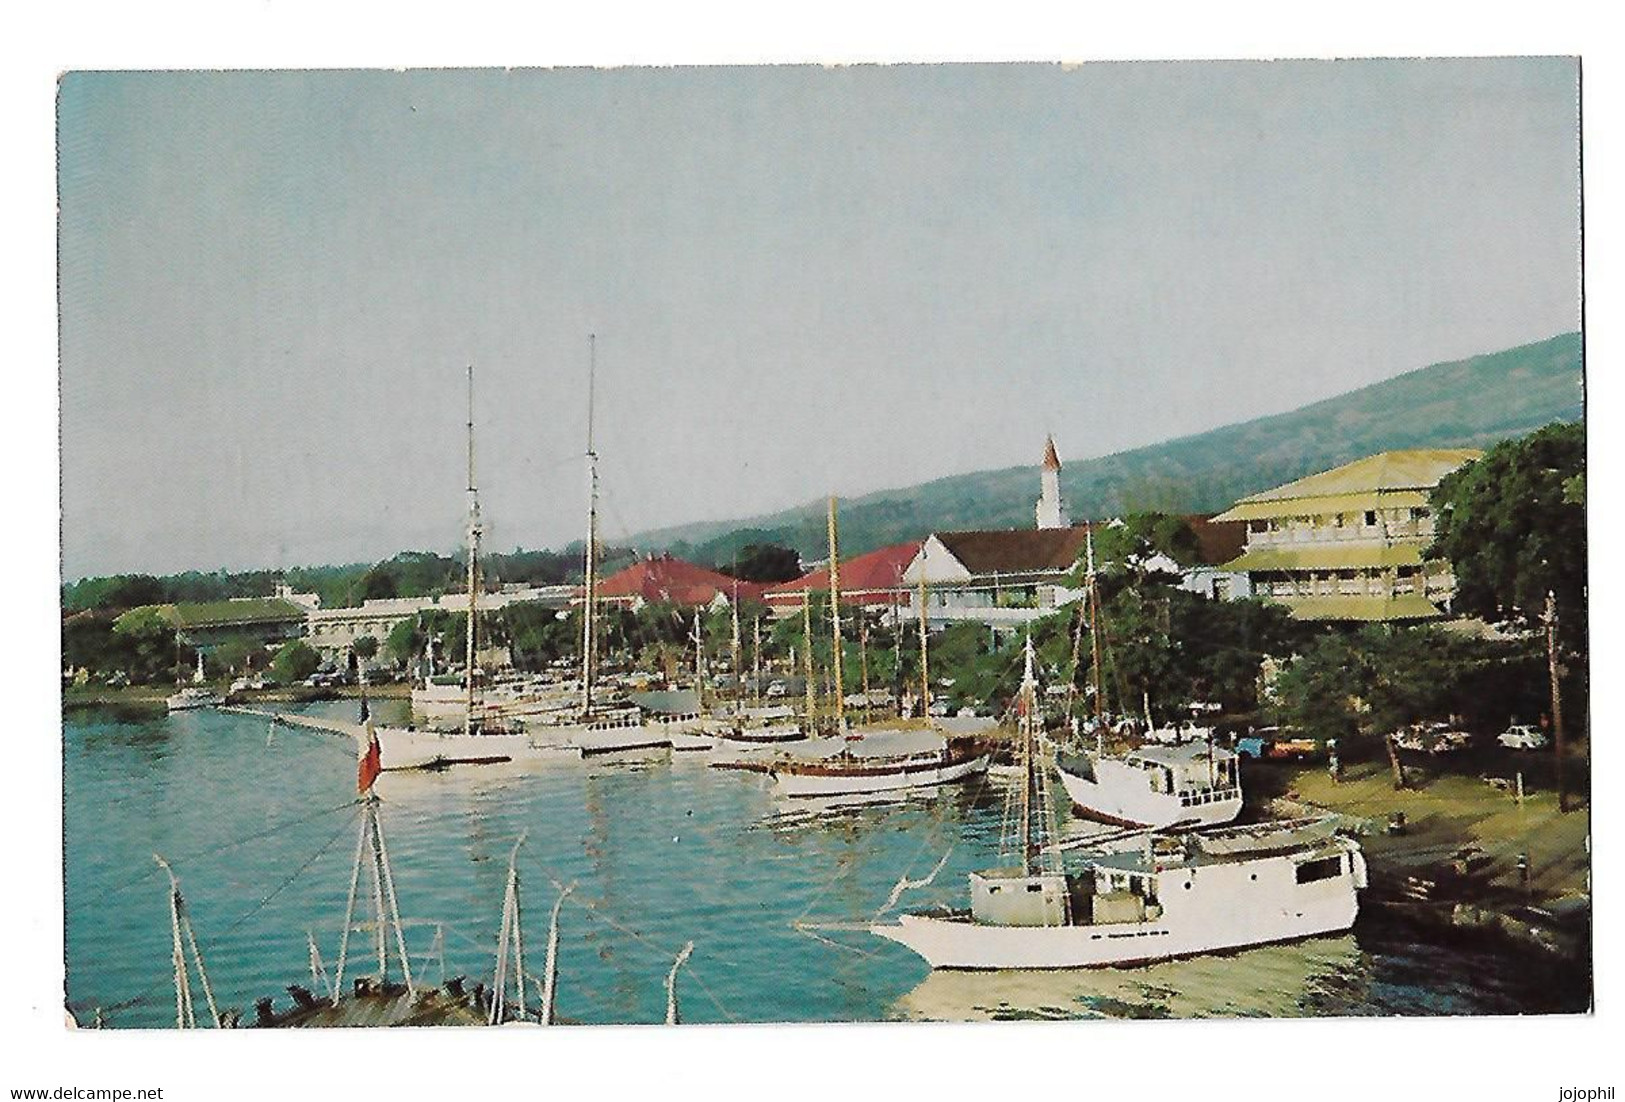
[1051,511]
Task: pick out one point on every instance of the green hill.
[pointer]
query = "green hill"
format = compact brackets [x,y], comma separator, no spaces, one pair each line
[1465,403]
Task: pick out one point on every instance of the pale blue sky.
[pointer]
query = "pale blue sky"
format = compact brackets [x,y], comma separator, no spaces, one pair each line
[803,280]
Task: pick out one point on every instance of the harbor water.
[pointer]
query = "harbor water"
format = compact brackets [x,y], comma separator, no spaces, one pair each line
[259,823]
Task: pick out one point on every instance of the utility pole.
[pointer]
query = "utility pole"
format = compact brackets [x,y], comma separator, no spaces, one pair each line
[1557,697]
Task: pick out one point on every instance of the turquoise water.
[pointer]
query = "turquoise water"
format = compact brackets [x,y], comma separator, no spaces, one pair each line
[260,827]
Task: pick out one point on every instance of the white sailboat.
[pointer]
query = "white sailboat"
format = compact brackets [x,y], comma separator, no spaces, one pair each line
[473,742]
[869,761]
[597,727]
[1177,895]
[1182,782]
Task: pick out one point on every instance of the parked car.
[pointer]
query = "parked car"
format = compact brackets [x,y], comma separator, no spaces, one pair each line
[778,689]
[1277,744]
[1521,736]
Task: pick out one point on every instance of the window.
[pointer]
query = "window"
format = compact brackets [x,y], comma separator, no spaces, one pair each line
[1419,513]
[1370,518]
[1323,869]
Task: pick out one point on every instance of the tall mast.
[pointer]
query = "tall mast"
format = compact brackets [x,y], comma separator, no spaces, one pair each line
[1029,840]
[473,563]
[756,662]
[835,617]
[588,627]
[699,661]
[1094,638]
[925,673]
[738,655]
[806,651]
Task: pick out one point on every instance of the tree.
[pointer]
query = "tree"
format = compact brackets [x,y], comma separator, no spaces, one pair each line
[378,583]
[1513,525]
[764,562]
[365,647]
[295,662]
[147,636]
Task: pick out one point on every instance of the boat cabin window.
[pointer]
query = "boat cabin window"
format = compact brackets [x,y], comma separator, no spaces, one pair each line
[1323,869]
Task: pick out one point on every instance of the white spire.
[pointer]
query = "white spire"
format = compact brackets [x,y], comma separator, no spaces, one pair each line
[1051,509]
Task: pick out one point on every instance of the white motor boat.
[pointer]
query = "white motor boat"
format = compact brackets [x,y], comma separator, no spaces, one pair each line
[1183,895]
[1173,896]
[1189,784]
[193,697]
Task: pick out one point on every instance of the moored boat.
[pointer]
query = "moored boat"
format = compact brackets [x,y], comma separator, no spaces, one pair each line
[1176,895]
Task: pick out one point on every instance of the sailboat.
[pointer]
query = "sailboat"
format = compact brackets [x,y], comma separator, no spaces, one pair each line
[1175,895]
[597,726]
[1182,782]
[860,762]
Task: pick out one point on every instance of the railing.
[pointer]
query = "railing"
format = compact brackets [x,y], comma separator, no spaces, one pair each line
[1208,796]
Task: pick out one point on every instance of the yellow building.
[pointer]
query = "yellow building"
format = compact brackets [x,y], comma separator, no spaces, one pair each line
[1346,544]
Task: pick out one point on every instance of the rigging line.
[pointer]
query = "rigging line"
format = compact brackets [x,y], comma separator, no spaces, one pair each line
[216,939]
[343,829]
[212,851]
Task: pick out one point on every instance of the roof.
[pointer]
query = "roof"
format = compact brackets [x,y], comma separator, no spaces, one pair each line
[251,610]
[1052,462]
[664,578]
[1016,550]
[874,576]
[1388,479]
[1365,608]
[1355,557]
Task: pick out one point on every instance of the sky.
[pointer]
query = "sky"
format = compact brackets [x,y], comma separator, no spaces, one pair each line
[802,280]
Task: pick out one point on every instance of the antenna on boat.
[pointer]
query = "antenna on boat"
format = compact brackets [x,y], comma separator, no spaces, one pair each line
[550,974]
[672,1017]
[511,933]
[180,926]
[588,632]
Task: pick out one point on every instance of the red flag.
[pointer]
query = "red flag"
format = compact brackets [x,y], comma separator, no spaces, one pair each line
[371,764]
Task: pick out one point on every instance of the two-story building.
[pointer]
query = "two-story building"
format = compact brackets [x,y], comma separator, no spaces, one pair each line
[1347,544]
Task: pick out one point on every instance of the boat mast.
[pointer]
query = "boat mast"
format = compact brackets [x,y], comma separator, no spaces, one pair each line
[588,632]
[806,651]
[1094,639]
[699,661]
[739,691]
[835,617]
[756,662]
[925,673]
[473,563]
[1029,840]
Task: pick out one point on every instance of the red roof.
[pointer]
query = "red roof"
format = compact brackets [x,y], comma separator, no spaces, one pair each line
[867,579]
[1052,462]
[664,578]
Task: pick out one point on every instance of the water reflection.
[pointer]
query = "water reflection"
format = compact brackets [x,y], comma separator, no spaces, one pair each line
[1269,981]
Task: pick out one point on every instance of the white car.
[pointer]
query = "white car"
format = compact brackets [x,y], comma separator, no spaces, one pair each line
[1521,736]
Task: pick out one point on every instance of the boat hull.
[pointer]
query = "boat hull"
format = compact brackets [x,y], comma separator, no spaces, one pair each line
[857,777]
[960,943]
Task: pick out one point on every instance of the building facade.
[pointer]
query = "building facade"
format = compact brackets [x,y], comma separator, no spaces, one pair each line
[1347,544]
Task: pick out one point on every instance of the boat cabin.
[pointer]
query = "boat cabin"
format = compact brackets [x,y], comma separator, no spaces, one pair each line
[1198,773]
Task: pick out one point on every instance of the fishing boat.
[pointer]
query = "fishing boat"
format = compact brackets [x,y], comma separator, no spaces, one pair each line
[1173,895]
[1180,778]
[1189,784]
[861,761]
